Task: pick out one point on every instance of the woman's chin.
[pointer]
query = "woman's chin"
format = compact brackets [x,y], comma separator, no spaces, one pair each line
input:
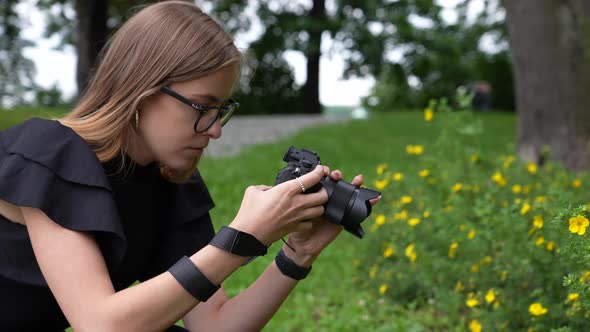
[183,164]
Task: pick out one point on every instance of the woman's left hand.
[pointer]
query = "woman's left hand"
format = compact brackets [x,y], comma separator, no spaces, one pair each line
[309,244]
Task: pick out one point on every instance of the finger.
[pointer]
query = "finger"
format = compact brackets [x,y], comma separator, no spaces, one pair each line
[312,212]
[358,180]
[336,175]
[308,180]
[304,229]
[314,199]
[326,170]
[375,200]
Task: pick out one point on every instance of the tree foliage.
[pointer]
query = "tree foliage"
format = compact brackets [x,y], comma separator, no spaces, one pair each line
[16,71]
[435,56]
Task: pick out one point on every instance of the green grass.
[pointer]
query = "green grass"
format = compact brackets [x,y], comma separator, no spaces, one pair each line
[329,299]
[9,118]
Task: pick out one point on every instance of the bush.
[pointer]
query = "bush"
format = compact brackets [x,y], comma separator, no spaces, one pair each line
[469,236]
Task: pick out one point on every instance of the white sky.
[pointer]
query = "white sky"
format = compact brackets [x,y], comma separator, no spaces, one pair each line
[58,67]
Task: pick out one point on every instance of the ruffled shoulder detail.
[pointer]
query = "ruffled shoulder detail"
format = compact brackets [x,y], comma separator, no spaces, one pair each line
[55,146]
[46,165]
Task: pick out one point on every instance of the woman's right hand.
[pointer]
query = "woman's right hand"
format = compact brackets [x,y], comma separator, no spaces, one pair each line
[270,213]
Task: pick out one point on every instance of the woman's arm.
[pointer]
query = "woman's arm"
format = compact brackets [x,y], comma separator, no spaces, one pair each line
[74,269]
[251,309]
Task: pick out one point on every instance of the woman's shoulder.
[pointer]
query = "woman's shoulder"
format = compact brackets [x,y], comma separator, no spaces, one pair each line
[56,147]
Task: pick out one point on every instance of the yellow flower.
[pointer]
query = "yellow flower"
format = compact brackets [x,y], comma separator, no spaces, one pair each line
[578,224]
[538,222]
[424,173]
[381,184]
[577,183]
[517,188]
[540,199]
[499,179]
[410,252]
[462,227]
[487,259]
[428,114]
[526,207]
[414,221]
[572,297]
[381,168]
[383,289]
[474,326]
[453,249]
[471,301]
[426,214]
[474,158]
[380,220]
[406,199]
[585,276]
[397,177]
[474,268]
[490,296]
[414,149]
[550,246]
[532,168]
[457,187]
[537,309]
[418,150]
[497,176]
[540,241]
[388,252]
[402,215]
[471,234]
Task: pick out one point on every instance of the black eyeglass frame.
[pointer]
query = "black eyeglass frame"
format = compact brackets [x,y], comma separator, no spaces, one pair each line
[229,108]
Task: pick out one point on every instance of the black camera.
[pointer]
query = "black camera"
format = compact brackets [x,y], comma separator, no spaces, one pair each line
[347,205]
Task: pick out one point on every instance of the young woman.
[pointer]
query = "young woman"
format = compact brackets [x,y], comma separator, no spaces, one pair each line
[110,194]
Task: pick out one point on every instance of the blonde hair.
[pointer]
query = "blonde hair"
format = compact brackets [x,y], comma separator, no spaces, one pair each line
[167,42]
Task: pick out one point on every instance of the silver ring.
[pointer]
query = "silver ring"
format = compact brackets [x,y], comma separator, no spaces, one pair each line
[301,184]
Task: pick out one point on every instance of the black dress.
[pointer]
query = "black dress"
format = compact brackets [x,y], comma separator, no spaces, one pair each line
[142,223]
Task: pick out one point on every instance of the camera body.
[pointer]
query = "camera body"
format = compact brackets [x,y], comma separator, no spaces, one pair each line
[347,205]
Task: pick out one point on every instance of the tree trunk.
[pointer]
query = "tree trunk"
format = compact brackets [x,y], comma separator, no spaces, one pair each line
[311,89]
[93,32]
[550,42]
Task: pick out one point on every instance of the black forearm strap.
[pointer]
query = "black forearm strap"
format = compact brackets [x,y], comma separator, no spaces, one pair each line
[238,242]
[289,268]
[193,280]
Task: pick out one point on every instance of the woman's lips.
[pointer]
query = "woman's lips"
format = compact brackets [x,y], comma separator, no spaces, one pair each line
[194,150]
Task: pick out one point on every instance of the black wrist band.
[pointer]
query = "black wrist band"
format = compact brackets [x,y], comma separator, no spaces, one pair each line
[192,279]
[238,242]
[289,268]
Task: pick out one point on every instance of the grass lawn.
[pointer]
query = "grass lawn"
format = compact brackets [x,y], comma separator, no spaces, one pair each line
[329,299]
[18,115]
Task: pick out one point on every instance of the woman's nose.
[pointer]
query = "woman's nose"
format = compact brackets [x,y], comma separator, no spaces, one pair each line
[215,130]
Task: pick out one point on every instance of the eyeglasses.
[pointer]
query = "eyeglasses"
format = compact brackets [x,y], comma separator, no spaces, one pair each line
[207,114]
